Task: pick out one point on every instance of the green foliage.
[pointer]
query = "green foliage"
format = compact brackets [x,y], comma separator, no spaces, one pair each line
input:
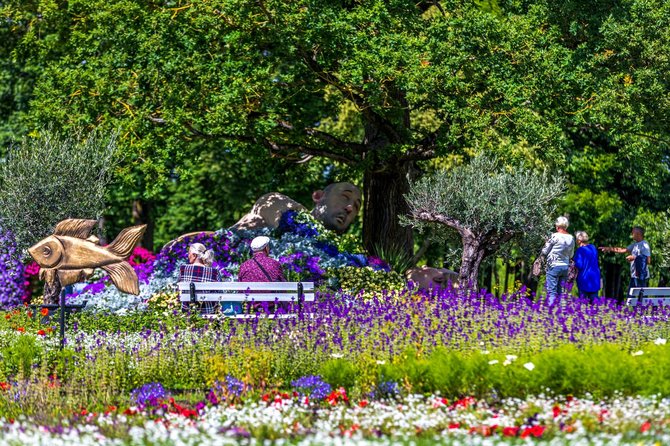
[485,197]
[19,357]
[366,282]
[399,260]
[375,85]
[600,370]
[198,90]
[52,176]
[339,373]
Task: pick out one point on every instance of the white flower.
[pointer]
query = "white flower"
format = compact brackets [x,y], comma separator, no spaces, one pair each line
[511,358]
[485,352]
[336,355]
[529,365]
[660,341]
[638,353]
[493,361]
[507,362]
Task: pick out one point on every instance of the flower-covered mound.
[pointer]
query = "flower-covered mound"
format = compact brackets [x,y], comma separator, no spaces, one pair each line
[306,250]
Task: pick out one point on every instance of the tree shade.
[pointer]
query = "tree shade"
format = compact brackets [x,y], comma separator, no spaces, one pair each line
[415,82]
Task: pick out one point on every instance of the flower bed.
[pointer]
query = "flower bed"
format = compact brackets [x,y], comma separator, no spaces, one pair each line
[353,369]
[415,418]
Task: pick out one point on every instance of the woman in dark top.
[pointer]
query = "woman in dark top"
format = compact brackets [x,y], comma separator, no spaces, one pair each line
[586,261]
[199,269]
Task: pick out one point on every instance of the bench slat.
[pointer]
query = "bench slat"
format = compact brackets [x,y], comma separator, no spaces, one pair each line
[634,292]
[648,301]
[650,296]
[241,286]
[243,297]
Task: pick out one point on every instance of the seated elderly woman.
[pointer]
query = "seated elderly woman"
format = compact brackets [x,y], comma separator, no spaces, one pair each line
[199,269]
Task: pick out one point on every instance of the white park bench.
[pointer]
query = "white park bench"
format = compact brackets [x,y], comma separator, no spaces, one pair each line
[247,292]
[646,296]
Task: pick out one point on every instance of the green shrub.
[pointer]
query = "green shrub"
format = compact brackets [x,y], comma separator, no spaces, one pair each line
[339,373]
[19,357]
[355,280]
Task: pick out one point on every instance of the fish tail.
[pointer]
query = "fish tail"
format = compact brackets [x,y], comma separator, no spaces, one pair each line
[123,276]
[125,242]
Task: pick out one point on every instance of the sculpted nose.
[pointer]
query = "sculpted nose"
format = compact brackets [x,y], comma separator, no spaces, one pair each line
[349,208]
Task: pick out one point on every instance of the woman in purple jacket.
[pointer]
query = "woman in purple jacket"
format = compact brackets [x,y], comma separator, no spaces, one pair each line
[588,271]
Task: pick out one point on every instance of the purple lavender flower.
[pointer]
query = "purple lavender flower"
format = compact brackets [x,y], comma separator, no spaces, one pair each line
[12,282]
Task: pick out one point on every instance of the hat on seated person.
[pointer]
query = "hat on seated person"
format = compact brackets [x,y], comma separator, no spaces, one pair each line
[259,243]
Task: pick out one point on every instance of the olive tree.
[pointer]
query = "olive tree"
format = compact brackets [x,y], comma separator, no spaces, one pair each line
[49,176]
[487,204]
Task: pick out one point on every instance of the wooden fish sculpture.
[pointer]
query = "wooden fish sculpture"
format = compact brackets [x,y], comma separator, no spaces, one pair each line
[71,254]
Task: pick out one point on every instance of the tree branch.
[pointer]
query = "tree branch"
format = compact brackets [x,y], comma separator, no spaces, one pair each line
[283,149]
[442,219]
[276,148]
[327,137]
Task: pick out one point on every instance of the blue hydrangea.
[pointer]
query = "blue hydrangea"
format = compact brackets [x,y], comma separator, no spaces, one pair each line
[234,386]
[149,394]
[287,223]
[312,386]
[385,390]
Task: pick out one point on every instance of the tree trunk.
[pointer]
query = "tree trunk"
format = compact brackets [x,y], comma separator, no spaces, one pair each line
[473,254]
[384,201]
[142,215]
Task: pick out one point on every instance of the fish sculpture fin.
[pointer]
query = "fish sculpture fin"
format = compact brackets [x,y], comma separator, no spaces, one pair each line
[75,227]
[125,242]
[70,277]
[94,239]
[123,276]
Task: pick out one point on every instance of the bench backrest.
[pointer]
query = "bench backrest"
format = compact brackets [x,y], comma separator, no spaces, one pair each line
[246,291]
[653,296]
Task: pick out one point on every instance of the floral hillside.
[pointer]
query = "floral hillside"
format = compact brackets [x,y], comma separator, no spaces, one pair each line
[306,250]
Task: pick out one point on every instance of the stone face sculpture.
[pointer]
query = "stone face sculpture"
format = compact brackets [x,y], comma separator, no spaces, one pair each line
[71,254]
[426,277]
[336,206]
